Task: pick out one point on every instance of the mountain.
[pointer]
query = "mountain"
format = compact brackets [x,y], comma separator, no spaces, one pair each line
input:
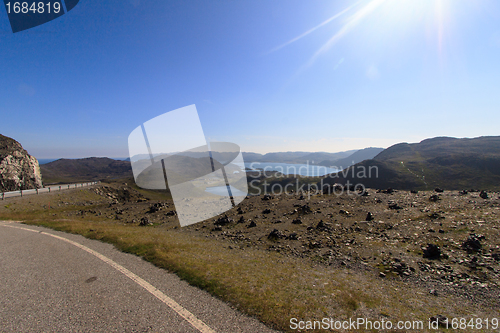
[251,157]
[85,169]
[18,170]
[180,169]
[295,157]
[317,157]
[448,163]
[283,157]
[356,157]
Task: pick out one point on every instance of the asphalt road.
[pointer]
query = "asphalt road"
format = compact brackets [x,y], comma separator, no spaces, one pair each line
[68,283]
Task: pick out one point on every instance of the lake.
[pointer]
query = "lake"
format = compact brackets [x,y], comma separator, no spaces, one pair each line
[222,190]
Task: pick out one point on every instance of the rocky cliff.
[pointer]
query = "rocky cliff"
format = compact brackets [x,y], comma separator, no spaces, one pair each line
[18,170]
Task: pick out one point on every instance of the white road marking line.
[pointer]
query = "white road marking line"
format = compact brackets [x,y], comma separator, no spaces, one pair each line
[191,318]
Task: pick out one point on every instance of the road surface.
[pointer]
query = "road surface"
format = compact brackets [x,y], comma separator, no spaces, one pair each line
[56,282]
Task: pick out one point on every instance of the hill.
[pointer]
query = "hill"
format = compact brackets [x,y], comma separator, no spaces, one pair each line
[448,163]
[296,157]
[18,169]
[85,169]
[356,157]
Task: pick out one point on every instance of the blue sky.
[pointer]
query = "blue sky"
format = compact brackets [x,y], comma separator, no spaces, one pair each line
[376,73]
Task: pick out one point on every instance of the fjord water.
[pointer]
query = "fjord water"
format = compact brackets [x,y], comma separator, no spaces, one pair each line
[222,190]
[306,170]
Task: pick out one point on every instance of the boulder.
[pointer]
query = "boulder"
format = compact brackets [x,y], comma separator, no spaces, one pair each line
[267,197]
[223,220]
[441,320]
[323,226]
[304,209]
[434,198]
[145,222]
[275,234]
[432,251]
[252,224]
[394,205]
[156,207]
[473,243]
[18,170]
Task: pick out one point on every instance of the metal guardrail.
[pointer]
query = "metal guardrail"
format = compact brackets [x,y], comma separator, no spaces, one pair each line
[47,189]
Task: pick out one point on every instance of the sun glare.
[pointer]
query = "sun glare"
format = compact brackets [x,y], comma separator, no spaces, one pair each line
[385,20]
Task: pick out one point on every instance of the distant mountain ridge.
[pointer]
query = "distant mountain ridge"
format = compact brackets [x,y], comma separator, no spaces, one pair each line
[448,163]
[356,157]
[445,162]
[84,169]
[295,157]
[99,168]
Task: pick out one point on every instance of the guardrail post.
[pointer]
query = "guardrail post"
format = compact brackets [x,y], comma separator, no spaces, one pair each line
[59,187]
[68,186]
[3,196]
[49,189]
[21,192]
[36,191]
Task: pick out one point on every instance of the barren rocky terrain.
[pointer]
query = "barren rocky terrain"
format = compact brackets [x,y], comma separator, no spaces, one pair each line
[447,242]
